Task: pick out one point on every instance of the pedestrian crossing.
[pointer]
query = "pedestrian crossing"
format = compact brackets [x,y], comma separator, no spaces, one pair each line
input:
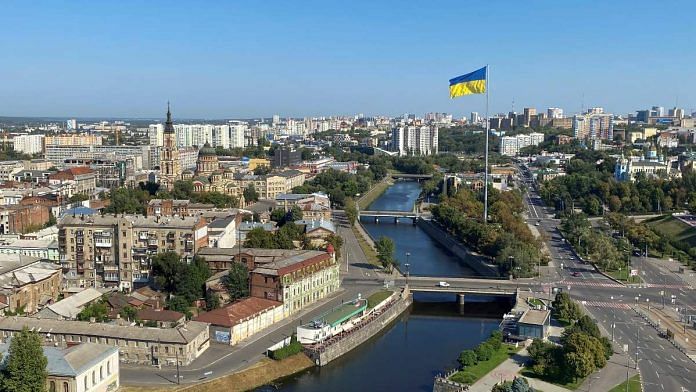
[587,283]
[607,304]
[668,286]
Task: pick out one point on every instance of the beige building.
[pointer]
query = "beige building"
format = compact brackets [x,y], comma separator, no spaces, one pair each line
[170,166]
[73,140]
[116,250]
[137,345]
[242,319]
[27,284]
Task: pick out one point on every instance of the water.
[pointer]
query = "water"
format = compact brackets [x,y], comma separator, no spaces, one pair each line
[424,341]
[405,356]
[427,256]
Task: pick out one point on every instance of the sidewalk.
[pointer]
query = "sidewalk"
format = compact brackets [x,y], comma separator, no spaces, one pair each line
[507,371]
[667,319]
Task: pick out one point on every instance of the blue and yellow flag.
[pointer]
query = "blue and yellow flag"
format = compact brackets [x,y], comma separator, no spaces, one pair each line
[471,83]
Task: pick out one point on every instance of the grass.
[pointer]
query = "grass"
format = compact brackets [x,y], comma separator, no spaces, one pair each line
[374,192]
[674,229]
[376,298]
[369,252]
[535,301]
[623,275]
[471,374]
[633,385]
[572,385]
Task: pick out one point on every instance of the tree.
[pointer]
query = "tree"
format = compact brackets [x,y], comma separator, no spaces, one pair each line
[212,301]
[583,354]
[351,211]
[385,252]
[181,305]
[166,267]
[250,194]
[483,351]
[51,220]
[129,201]
[78,197]
[564,308]
[97,310]
[467,358]
[260,238]
[25,369]
[237,281]
[129,313]
[520,384]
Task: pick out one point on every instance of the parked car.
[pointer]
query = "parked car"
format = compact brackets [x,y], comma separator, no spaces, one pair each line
[576,274]
[443,284]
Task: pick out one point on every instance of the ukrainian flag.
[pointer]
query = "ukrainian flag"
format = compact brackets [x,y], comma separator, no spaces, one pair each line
[471,83]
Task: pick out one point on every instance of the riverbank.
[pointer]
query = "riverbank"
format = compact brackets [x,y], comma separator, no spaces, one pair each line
[374,193]
[264,372]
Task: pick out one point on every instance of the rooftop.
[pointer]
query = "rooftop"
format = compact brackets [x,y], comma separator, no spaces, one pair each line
[534,317]
[71,306]
[345,312]
[237,312]
[180,335]
[71,361]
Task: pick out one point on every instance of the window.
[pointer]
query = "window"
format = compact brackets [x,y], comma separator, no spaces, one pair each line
[66,387]
[108,368]
[94,377]
[52,387]
[101,373]
[85,383]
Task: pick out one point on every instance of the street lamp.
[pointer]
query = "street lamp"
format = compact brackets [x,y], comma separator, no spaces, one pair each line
[511,260]
[613,313]
[407,265]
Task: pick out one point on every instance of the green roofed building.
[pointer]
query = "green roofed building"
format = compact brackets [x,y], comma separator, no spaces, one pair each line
[332,322]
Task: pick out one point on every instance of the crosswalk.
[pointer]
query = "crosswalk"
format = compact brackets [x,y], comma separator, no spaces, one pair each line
[587,283]
[607,304]
[668,286]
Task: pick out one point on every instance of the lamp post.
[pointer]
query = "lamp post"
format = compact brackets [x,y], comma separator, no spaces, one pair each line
[407,265]
[613,324]
[511,260]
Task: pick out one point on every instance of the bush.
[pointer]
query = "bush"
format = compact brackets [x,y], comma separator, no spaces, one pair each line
[467,358]
[287,351]
[483,351]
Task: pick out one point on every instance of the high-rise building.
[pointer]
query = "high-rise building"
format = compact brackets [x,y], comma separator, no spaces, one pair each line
[554,112]
[592,126]
[276,119]
[511,145]
[284,157]
[29,144]
[474,118]
[529,113]
[415,140]
[71,124]
[659,111]
[155,134]
[170,166]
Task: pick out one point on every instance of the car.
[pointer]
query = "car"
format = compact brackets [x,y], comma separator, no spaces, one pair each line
[443,284]
[536,224]
[576,274]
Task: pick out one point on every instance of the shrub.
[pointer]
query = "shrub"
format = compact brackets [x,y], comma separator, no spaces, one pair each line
[287,351]
[483,351]
[467,358]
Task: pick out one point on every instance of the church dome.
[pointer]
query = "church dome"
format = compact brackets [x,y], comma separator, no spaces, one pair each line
[207,150]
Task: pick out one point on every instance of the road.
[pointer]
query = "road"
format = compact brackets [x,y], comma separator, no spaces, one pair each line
[662,366]
[358,278]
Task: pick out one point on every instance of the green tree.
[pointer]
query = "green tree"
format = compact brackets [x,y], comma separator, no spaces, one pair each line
[237,281]
[129,313]
[25,369]
[520,384]
[260,238]
[250,194]
[129,201]
[467,358]
[212,301]
[564,308]
[385,252]
[97,310]
[181,305]
[483,351]
[167,267]
[78,197]
[351,210]
[51,220]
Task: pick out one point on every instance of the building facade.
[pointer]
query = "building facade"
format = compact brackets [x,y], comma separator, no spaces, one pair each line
[415,140]
[170,166]
[27,284]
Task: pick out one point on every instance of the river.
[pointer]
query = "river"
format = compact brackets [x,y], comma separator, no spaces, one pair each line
[422,342]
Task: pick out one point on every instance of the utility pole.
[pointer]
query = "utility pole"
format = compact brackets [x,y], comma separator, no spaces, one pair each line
[178,377]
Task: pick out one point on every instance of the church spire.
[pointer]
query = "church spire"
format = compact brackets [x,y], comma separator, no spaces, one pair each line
[169,126]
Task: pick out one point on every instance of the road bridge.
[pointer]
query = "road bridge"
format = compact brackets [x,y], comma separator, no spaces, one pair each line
[412,176]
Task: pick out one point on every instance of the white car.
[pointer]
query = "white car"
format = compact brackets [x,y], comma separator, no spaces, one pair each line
[443,284]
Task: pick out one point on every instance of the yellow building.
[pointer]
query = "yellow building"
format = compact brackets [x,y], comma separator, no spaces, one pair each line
[257,162]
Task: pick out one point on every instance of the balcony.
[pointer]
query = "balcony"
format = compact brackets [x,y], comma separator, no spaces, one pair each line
[102,243]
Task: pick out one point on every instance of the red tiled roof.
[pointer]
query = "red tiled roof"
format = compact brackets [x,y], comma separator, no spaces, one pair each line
[159,315]
[71,173]
[236,312]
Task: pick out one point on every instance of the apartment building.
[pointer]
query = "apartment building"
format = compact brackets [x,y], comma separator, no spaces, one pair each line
[27,284]
[170,207]
[58,154]
[271,185]
[511,145]
[29,144]
[594,125]
[116,250]
[74,140]
[415,140]
[83,178]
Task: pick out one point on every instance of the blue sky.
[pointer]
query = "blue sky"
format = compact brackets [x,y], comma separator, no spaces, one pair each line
[243,59]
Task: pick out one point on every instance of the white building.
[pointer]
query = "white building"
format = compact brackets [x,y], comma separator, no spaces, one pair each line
[71,124]
[29,144]
[155,133]
[554,112]
[593,125]
[511,145]
[415,140]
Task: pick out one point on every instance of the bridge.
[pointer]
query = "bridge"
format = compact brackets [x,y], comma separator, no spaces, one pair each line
[390,214]
[412,176]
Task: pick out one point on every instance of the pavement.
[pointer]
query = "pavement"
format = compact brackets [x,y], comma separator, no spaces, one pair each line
[507,371]
[662,366]
[357,278]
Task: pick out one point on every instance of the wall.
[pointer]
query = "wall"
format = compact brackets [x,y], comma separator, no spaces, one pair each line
[445,239]
[360,336]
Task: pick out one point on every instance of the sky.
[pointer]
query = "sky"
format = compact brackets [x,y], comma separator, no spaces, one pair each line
[250,59]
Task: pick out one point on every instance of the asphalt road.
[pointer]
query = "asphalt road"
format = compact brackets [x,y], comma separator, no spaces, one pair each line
[662,366]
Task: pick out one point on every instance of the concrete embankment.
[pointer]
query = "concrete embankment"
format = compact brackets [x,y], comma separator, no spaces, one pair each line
[362,332]
[475,262]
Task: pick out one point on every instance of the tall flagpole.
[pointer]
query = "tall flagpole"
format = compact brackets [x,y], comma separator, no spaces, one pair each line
[485,186]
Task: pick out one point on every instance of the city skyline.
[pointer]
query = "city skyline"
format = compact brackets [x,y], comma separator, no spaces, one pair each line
[244,61]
